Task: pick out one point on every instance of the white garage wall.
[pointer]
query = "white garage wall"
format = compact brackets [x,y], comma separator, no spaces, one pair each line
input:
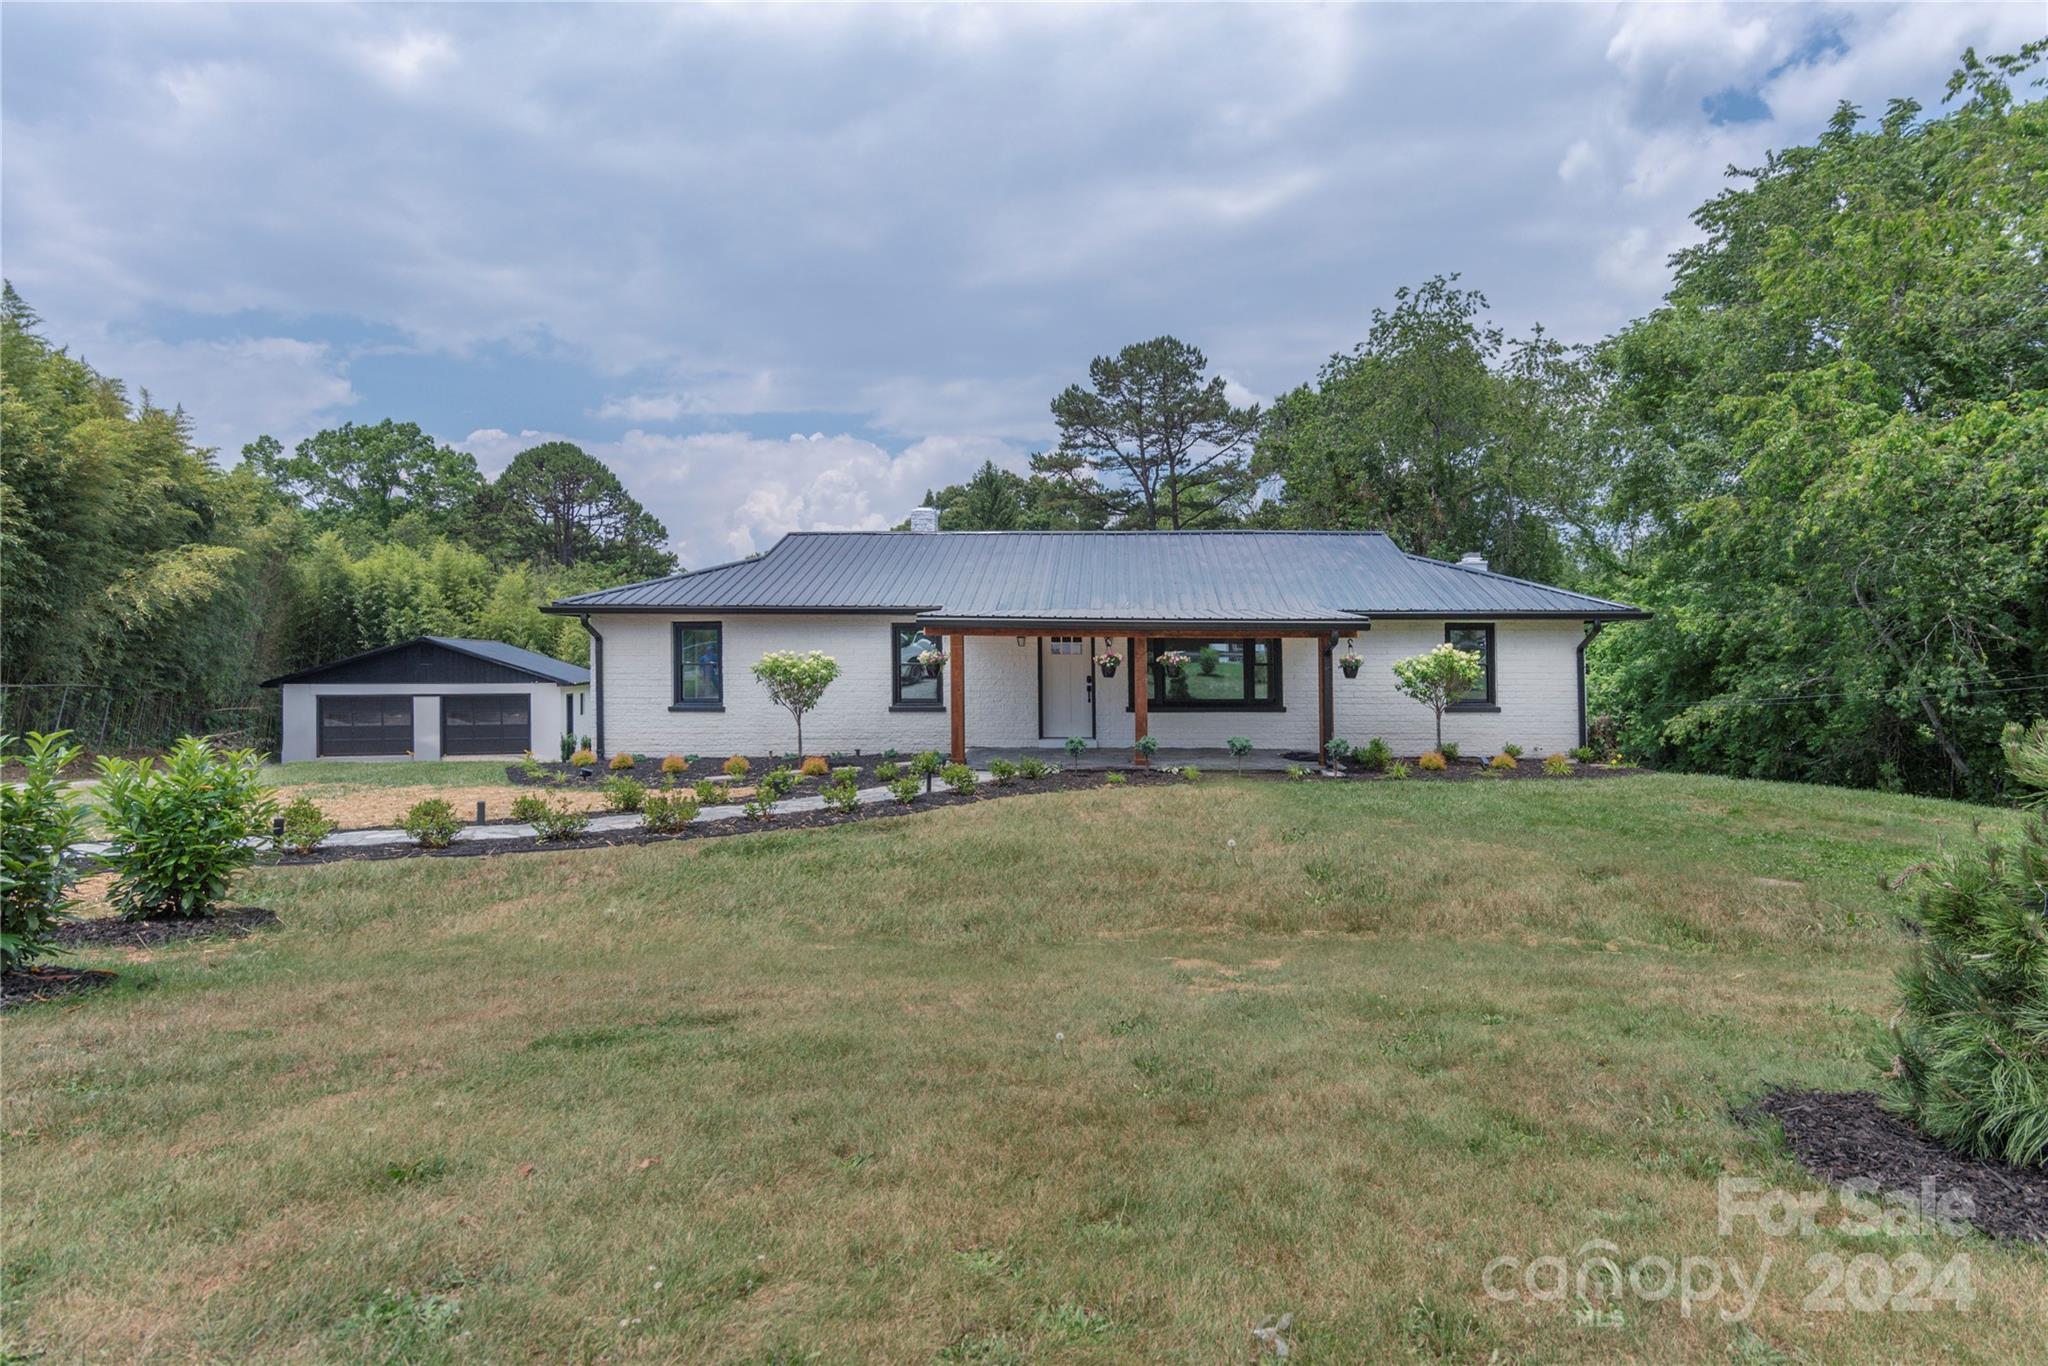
[1536,688]
[300,740]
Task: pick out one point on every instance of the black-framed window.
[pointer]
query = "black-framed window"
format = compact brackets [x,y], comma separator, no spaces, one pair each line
[1230,673]
[1477,637]
[909,687]
[700,664]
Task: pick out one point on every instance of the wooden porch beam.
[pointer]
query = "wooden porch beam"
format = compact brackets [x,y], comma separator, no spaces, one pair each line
[1326,687]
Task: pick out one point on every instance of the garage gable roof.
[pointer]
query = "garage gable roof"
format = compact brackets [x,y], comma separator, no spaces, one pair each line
[404,661]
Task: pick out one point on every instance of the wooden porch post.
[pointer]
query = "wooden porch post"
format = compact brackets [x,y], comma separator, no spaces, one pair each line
[956,654]
[1326,725]
[1141,680]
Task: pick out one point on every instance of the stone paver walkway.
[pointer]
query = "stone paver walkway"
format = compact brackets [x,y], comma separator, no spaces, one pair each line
[609,821]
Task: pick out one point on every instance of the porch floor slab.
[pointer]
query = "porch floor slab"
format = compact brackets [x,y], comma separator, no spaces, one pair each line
[1119,756]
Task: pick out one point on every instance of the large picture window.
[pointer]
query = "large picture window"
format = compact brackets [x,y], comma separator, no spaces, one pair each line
[700,665]
[908,685]
[1232,673]
[1477,637]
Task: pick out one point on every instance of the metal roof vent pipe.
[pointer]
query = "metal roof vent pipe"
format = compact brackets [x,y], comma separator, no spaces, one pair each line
[924,520]
[1471,559]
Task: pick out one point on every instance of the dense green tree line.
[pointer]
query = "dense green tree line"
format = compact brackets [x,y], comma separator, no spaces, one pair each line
[144,590]
[1822,462]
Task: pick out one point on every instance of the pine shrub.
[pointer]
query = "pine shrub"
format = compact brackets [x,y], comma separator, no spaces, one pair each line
[1969,1060]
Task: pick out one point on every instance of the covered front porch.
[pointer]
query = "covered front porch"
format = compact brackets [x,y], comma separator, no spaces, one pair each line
[1208,760]
[1189,686]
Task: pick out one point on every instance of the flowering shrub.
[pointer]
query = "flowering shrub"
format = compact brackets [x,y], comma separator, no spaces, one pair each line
[931,661]
[796,682]
[1439,678]
[1173,661]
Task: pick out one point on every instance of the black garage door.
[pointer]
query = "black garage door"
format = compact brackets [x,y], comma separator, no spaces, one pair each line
[354,726]
[485,725]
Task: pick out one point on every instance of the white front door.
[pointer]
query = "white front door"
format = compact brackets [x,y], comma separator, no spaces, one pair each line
[1066,687]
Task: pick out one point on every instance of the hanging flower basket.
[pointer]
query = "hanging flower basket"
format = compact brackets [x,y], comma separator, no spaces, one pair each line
[1349,664]
[1107,662]
[931,661]
[1174,662]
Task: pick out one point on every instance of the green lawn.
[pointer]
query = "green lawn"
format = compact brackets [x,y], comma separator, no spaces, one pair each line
[1106,1075]
[318,774]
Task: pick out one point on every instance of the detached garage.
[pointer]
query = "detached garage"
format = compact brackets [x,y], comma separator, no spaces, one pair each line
[431,698]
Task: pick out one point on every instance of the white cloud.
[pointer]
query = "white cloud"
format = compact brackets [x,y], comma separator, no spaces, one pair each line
[281,385]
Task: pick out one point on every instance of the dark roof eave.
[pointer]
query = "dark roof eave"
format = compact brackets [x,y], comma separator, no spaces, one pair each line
[303,675]
[1127,625]
[587,609]
[1589,612]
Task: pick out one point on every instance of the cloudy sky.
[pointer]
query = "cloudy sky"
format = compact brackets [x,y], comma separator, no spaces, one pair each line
[787,268]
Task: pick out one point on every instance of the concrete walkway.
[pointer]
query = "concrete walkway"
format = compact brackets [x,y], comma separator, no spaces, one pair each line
[599,823]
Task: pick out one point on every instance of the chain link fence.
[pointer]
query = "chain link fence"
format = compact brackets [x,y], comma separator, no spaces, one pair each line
[112,720]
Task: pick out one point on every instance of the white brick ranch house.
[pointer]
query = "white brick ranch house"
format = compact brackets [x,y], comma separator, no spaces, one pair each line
[1265,617]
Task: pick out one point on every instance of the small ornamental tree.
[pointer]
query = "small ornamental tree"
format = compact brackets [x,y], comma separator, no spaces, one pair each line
[1969,1061]
[796,682]
[39,821]
[1439,678]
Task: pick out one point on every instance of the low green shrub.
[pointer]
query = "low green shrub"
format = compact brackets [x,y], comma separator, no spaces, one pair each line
[624,794]
[182,830]
[1556,765]
[959,777]
[1191,773]
[560,822]
[904,790]
[776,784]
[431,823]
[1397,768]
[1002,771]
[1114,779]
[1374,756]
[531,767]
[843,797]
[737,767]
[305,825]
[1512,751]
[886,772]
[664,814]
[528,808]
[568,748]
[1449,749]
[927,766]
[1969,1062]
[1296,773]
[1583,754]
[39,821]
[1031,768]
[709,793]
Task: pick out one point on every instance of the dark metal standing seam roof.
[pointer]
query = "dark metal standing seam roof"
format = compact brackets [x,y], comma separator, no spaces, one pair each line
[1308,579]
[545,668]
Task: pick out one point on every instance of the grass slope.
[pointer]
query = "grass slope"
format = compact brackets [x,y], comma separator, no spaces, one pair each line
[1112,1075]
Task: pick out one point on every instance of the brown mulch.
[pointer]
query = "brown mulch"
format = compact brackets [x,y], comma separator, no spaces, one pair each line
[1847,1135]
[648,769]
[735,825]
[373,808]
[25,986]
[1467,770]
[116,932]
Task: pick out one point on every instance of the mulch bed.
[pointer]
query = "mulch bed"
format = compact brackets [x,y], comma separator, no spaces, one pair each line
[27,985]
[648,769]
[115,932]
[1466,770]
[734,825]
[1844,1135]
